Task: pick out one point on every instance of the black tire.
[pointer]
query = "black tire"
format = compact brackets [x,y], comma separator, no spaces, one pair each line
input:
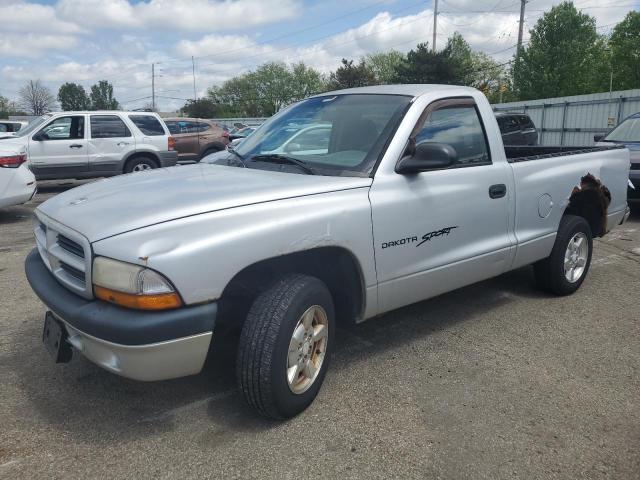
[264,345]
[550,273]
[210,150]
[134,162]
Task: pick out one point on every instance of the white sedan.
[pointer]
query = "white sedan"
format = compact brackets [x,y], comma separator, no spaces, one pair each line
[17,182]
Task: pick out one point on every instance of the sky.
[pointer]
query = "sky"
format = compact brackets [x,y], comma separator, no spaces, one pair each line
[84,41]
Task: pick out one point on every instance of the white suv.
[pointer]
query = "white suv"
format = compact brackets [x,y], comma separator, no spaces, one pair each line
[94,144]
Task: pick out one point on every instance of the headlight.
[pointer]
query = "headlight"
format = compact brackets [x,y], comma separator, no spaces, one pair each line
[132,286]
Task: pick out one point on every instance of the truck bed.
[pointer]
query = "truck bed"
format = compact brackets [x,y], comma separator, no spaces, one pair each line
[534,152]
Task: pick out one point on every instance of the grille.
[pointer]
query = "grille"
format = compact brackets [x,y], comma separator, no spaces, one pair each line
[70,246]
[66,254]
[74,272]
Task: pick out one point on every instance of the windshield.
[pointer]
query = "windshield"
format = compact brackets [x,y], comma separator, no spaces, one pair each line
[627,131]
[335,135]
[33,125]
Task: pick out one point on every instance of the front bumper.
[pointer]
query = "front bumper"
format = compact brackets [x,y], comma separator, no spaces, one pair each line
[168,158]
[135,344]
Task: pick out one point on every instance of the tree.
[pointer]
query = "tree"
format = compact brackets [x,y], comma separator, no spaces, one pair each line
[201,108]
[564,56]
[426,66]
[102,96]
[624,46]
[35,98]
[73,97]
[385,65]
[266,90]
[4,107]
[349,75]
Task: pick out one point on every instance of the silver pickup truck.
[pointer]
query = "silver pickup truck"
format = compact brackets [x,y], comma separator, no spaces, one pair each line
[386,196]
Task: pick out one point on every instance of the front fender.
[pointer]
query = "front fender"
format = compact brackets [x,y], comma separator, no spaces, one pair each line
[200,254]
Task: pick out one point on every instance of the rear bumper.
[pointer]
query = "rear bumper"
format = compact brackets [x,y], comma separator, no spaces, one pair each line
[135,344]
[168,159]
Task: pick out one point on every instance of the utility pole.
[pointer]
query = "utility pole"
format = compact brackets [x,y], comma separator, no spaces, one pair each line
[522,4]
[153,87]
[435,24]
[193,72]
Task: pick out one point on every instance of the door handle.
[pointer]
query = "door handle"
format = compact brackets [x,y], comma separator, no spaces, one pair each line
[75,145]
[498,191]
[122,144]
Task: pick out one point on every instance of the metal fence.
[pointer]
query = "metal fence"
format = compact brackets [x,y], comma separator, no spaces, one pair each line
[575,120]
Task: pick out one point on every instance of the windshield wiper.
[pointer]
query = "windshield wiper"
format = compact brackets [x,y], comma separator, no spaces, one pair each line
[279,158]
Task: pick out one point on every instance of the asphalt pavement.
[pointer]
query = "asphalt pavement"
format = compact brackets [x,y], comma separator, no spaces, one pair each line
[492,381]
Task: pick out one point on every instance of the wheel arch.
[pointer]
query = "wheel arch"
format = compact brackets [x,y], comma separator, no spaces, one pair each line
[336,266]
[139,153]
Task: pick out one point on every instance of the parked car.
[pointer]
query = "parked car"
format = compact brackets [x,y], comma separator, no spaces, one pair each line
[196,138]
[627,134]
[17,182]
[517,129]
[414,196]
[94,144]
[9,127]
[241,133]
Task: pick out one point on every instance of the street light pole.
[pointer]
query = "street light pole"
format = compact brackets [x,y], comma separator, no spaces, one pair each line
[435,24]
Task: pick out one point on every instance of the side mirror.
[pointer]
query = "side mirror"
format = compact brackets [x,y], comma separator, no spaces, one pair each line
[598,137]
[40,136]
[428,156]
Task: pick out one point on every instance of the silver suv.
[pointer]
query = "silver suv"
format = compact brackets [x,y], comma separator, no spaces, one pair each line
[94,144]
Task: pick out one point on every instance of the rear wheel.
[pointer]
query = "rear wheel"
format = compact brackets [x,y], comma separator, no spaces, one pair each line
[139,164]
[565,269]
[285,346]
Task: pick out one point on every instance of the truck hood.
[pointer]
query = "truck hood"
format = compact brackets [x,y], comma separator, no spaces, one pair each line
[120,204]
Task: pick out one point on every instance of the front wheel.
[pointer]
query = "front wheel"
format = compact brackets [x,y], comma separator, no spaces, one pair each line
[565,269]
[285,346]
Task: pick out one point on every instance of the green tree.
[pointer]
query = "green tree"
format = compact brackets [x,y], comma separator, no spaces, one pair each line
[564,56]
[73,97]
[624,45]
[201,108]
[266,90]
[4,107]
[426,66]
[385,65]
[349,75]
[102,96]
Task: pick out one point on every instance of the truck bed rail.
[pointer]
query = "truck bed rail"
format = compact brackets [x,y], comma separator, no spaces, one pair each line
[524,153]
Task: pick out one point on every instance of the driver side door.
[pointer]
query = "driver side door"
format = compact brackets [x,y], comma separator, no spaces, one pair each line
[59,149]
[444,228]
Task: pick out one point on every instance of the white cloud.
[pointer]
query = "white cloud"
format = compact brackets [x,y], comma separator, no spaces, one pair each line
[31,45]
[33,17]
[186,15]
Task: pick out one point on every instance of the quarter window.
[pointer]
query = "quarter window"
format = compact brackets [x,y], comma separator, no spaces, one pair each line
[459,126]
[108,126]
[148,124]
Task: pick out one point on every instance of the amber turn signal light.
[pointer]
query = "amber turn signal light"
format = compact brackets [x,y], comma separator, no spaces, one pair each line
[162,301]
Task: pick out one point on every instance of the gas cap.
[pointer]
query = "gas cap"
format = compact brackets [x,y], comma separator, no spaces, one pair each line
[545,204]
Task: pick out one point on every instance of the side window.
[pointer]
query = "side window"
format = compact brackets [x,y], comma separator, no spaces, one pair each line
[202,127]
[173,127]
[147,124]
[3,127]
[459,126]
[64,128]
[108,126]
